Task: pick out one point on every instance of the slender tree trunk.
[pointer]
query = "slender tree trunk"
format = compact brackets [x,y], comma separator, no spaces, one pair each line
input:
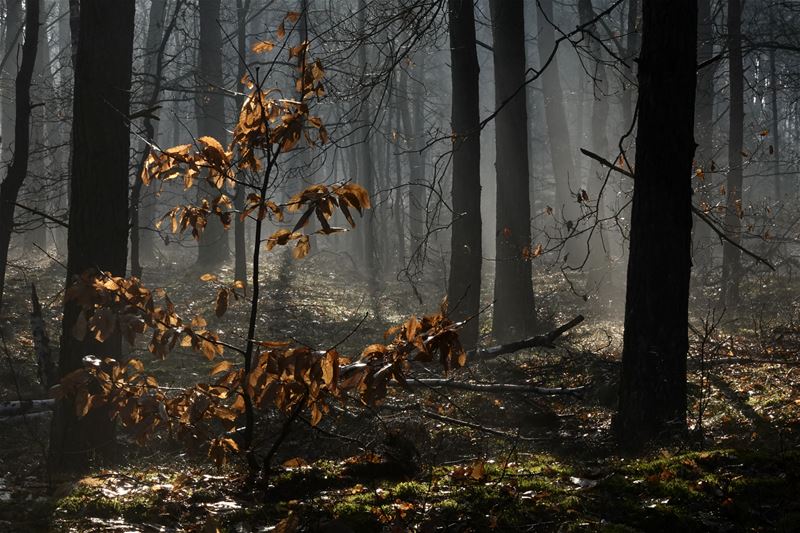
[775,134]
[239,241]
[598,256]
[142,237]
[98,219]
[365,165]
[567,180]
[213,247]
[39,167]
[9,72]
[731,255]
[18,170]
[653,385]
[704,130]
[414,125]
[514,311]
[464,285]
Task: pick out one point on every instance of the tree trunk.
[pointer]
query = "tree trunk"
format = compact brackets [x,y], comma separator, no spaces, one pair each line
[598,255]
[564,173]
[213,247]
[239,241]
[365,165]
[775,133]
[704,130]
[9,72]
[464,285]
[18,170]
[653,385]
[514,311]
[98,218]
[413,126]
[632,53]
[142,203]
[731,255]
[39,167]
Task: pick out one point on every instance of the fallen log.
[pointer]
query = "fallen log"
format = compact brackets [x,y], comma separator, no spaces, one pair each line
[493,387]
[21,407]
[545,340]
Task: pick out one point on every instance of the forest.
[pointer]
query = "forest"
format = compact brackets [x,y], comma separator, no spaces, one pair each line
[399,265]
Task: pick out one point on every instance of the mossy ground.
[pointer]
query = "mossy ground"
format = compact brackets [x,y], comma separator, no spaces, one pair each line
[567,476]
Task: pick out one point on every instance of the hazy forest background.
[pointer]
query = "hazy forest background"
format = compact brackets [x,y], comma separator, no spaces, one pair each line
[401,265]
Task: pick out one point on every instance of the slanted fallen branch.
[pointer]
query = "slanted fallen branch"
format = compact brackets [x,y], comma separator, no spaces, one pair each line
[539,340]
[458,422]
[492,387]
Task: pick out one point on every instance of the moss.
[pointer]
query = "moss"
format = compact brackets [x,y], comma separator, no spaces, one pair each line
[409,490]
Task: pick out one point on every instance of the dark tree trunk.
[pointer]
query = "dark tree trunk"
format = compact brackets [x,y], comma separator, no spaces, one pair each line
[464,285]
[514,311]
[566,179]
[731,255]
[652,400]
[213,247]
[18,170]
[98,218]
[704,129]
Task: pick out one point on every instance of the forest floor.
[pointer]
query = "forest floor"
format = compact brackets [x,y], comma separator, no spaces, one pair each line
[434,459]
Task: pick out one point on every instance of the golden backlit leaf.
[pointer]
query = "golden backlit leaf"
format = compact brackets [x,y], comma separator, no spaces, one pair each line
[221,304]
[259,47]
[222,366]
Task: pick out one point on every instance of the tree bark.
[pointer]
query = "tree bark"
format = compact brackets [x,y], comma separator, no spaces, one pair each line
[514,311]
[464,284]
[365,164]
[652,400]
[18,170]
[98,218]
[731,255]
[213,247]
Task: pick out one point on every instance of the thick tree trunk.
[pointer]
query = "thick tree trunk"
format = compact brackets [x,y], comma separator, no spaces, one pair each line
[731,255]
[567,180]
[213,247]
[464,285]
[514,311]
[98,219]
[18,170]
[653,385]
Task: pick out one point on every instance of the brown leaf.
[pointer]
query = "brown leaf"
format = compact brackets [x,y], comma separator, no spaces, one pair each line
[222,302]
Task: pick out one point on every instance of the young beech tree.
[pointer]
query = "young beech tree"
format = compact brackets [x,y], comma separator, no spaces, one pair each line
[653,387]
[264,373]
